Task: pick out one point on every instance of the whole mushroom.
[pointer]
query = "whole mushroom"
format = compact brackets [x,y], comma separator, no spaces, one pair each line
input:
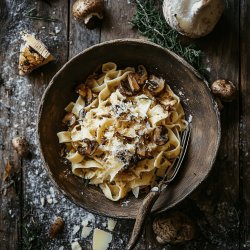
[175,228]
[21,146]
[193,18]
[86,10]
[223,89]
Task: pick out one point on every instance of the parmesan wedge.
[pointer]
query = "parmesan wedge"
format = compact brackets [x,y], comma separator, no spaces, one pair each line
[101,239]
[33,54]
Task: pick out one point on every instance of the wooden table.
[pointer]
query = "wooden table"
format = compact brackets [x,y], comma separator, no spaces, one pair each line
[220,207]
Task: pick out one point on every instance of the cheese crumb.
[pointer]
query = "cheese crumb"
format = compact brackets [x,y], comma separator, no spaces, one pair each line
[75,246]
[101,239]
[86,232]
[61,248]
[75,230]
[111,224]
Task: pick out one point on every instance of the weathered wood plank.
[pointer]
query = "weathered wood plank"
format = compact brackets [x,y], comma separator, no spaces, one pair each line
[80,37]
[19,102]
[36,186]
[217,199]
[245,115]
[10,197]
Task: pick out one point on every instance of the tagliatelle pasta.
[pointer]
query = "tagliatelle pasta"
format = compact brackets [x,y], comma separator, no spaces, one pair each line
[123,131]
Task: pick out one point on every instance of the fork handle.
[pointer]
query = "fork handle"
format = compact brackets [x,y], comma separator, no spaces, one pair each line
[144,210]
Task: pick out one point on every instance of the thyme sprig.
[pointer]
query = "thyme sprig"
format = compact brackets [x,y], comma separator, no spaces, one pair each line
[33,14]
[149,21]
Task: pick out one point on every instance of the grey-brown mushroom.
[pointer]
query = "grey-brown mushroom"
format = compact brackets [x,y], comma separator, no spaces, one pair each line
[82,89]
[133,82]
[155,85]
[69,119]
[56,227]
[125,89]
[174,228]
[89,149]
[142,74]
[160,135]
[86,10]
[89,96]
[224,89]
[21,146]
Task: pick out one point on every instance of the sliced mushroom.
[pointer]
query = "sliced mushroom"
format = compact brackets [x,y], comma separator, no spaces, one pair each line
[69,119]
[132,80]
[143,74]
[125,88]
[81,89]
[141,150]
[85,10]
[82,113]
[155,85]
[91,147]
[89,96]
[127,158]
[160,135]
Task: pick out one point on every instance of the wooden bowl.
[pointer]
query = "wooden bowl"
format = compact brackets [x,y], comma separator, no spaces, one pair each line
[182,78]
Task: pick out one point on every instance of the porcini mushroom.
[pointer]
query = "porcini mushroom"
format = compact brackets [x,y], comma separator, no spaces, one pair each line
[155,85]
[160,135]
[174,228]
[85,10]
[224,89]
[191,17]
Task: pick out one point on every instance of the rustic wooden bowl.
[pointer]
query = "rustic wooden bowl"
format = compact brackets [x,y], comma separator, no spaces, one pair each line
[182,78]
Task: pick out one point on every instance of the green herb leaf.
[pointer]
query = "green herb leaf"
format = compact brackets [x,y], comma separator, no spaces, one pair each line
[150,22]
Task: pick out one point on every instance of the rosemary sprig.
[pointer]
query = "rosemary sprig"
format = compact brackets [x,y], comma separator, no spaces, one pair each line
[32,14]
[149,21]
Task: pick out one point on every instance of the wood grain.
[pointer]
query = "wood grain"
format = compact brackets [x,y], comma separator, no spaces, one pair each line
[245,126]
[214,206]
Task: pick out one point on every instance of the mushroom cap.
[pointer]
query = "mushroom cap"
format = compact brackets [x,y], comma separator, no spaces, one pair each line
[85,9]
[224,89]
[21,146]
[191,17]
[174,228]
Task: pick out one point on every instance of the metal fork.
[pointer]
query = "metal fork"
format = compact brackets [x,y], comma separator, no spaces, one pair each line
[155,192]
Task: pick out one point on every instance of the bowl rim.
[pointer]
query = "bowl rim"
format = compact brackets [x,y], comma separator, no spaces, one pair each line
[124,41]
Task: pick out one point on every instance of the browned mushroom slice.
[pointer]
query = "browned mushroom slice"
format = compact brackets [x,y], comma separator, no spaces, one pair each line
[155,85]
[141,150]
[89,96]
[125,88]
[127,159]
[132,80]
[89,149]
[81,89]
[160,135]
[142,73]
[69,119]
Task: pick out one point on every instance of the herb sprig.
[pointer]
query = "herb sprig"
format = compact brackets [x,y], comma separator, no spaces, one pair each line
[149,21]
[33,14]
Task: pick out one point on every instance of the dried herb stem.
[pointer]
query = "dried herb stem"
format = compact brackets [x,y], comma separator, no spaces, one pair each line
[149,21]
